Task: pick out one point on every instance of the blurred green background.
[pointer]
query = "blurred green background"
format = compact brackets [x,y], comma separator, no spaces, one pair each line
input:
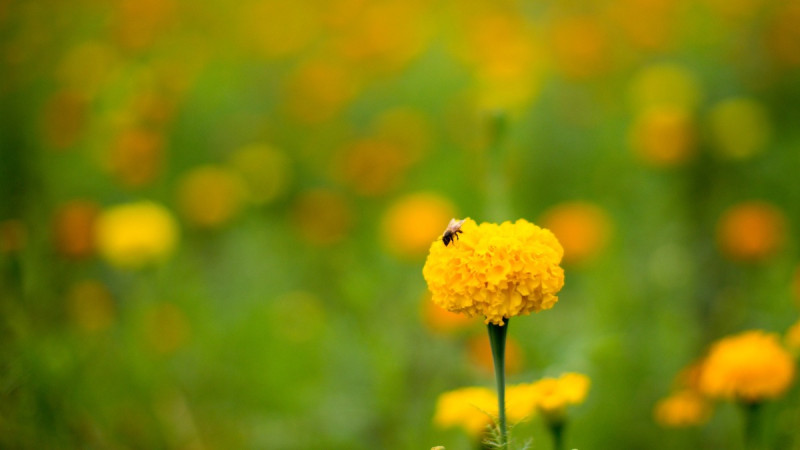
[214,215]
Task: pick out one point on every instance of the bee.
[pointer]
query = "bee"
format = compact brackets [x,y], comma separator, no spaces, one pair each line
[452,230]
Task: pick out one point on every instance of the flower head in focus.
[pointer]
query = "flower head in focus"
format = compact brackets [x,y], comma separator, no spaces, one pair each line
[682,409]
[133,235]
[472,408]
[498,271]
[750,367]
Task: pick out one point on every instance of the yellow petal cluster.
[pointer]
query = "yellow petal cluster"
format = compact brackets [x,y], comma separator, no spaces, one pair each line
[498,271]
[750,367]
[472,408]
[132,235]
[682,409]
[548,396]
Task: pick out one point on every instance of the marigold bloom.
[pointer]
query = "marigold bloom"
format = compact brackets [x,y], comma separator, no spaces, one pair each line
[135,234]
[682,409]
[548,396]
[498,271]
[751,366]
[472,408]
[751,231]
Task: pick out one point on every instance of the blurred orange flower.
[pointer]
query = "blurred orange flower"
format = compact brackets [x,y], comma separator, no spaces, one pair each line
[137,157]
[582,228]
[580,46]
[322,217]
[748,367]
[210,196]
[682,409]
[751,231]
[317,90]
[73,228]
[663,136]
[133,235]
[479,351]
[90,306]
[414,221]
[372,166]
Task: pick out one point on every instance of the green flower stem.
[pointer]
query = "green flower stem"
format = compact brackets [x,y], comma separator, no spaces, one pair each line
[752,438]
[497,339]
[557,432]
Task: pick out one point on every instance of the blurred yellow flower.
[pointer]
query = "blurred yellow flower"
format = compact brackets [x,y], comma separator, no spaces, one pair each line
[440,320]
[740,128]
[472,408]
[210,196]
[90,306]
[548,396]
[580,47]
[582,228]
[409,223]
[372,166]
[663,136]
[682,409]
[748,367]
[498,271]
[266,172]
[793,337]
[136,157]
[317,90]
[667,86]
[73,228]
[278,28]
[479,352]
[166,328]
[322,217]
[133,235]
[751,231]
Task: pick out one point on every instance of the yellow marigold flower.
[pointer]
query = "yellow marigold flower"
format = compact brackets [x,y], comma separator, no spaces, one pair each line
[472,408]
[498,271]
[751,366]
[682,409]
[132,235]
[549,396]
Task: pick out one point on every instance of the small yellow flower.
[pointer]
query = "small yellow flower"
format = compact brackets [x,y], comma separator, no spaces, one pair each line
[751,366]
[410,222]
[682,409]
[548,396]
[133,235]
[498,271]
[472,408]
